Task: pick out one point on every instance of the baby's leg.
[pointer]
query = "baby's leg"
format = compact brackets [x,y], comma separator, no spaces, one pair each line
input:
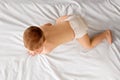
[88,43]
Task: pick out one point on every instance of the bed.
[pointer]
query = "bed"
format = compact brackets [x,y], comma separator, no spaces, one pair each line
[68,61]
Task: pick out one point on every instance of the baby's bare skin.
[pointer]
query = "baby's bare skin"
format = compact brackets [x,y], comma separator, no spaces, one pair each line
[56,34]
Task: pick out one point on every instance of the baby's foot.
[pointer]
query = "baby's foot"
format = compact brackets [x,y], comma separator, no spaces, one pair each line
[109,36]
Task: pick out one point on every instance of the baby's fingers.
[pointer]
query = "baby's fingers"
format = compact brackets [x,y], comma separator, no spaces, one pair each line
[31,53]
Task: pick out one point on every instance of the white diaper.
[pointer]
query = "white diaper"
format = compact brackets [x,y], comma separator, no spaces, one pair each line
[78,25]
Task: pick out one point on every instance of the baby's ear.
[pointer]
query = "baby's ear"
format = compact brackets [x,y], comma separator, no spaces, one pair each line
[47,24]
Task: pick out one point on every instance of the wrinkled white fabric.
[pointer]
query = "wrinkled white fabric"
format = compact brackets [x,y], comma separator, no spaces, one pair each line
[68,61]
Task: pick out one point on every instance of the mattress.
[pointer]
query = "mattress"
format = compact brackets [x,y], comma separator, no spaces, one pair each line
[68,61]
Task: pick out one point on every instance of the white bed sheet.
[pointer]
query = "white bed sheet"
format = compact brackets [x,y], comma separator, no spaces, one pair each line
[68,61]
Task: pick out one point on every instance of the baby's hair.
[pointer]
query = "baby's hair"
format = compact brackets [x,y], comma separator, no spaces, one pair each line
[32,37]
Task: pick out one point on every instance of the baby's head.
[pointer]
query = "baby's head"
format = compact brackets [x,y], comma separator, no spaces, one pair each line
[33,38]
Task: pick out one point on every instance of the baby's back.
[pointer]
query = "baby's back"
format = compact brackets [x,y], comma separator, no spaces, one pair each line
[62,33]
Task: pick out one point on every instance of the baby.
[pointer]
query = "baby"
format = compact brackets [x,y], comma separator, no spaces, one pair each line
[45,38]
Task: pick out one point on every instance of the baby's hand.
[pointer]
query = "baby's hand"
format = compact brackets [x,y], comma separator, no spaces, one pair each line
[31,53]
[39,51]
